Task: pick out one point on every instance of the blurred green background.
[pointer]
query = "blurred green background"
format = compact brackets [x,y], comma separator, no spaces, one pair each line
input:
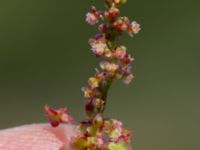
[45,59]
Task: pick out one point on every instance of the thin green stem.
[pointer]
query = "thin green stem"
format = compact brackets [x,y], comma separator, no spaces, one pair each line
[105,90]
[112,45]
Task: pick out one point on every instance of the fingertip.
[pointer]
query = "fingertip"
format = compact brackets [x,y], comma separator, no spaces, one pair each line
[36,137]
[63,132]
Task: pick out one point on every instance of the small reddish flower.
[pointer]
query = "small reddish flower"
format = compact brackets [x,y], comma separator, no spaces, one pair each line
[58,116]
[120,52]
[93,82]
[91,19]
[122,24]
[128,59]
[109,67]
[102,27]
[99,46]
[135,27]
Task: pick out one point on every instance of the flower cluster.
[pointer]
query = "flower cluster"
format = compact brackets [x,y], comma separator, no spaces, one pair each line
[120,64]
[111,15]
[96,132]
[102,135]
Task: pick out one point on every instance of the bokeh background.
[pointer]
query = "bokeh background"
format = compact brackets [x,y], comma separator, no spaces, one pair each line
[45,59]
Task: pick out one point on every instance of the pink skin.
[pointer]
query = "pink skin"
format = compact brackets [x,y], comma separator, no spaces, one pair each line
[36,137]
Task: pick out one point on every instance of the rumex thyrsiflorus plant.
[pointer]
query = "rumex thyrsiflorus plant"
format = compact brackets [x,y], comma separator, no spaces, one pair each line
[97,132]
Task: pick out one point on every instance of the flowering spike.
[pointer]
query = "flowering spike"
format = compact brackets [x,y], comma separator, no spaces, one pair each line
[97,132]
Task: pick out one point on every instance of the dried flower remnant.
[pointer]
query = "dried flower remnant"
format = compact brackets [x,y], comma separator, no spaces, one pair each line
[58,116]
[97,132]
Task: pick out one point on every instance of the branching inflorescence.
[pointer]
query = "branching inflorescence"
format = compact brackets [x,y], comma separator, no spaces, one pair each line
[97,132]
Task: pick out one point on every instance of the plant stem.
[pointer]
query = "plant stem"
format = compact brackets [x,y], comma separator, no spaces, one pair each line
[111,44]
[105,90]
